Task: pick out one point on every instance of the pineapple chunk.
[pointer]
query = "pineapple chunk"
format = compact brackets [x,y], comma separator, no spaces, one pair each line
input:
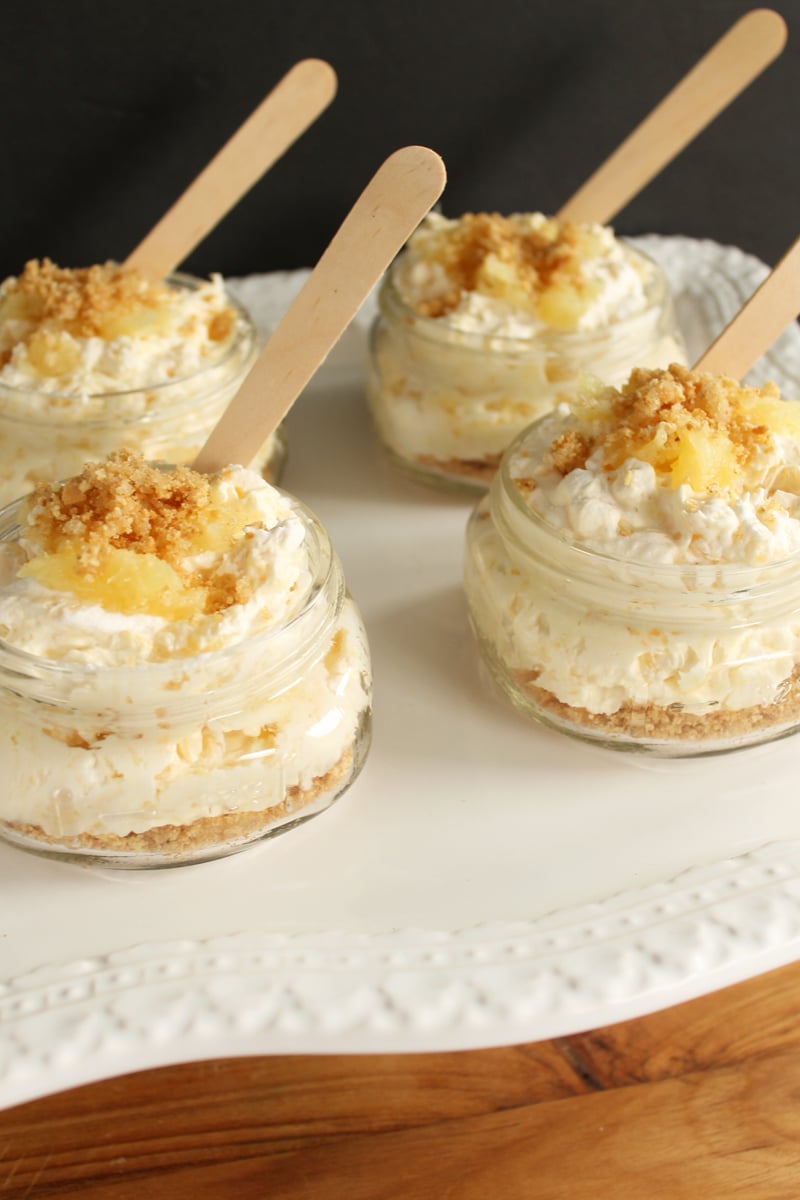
[561,306]
[125,582]
[593,402]
[501,280]
[780,416]
[17,306]
[222,524]
[659,451]
[141,320]
[704,460]
[131,582]
[53,354]
[697,456]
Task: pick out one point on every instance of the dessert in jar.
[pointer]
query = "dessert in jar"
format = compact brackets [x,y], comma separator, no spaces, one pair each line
[487,322]
[99,358]
[633,575]
[182,671]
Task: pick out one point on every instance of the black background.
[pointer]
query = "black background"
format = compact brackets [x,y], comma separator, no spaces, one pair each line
[111,108]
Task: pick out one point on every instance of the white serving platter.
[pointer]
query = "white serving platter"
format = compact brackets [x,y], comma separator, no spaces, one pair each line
[485,881]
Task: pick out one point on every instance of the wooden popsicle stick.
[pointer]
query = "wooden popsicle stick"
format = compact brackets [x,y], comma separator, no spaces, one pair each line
[288,110]
[388,210]
[773,306]
[726,70]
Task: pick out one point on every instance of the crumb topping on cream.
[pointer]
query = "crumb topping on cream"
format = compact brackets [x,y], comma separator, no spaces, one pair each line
[525,271]
[88,330]
[129,560]
[675,465]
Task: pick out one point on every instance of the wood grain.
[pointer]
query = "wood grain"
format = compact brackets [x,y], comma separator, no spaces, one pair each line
[698,1101]
[741,54]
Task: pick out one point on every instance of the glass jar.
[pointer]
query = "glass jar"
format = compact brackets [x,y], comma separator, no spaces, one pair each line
[46,436]
[676,659]
[446,403]
[166,763]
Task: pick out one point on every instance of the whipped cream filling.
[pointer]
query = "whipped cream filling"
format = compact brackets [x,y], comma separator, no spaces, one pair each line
[627,512]
[693,600]
[71,777]
[272,557]
[174,346]
[150,721]
[444,403]
[459,387]
[158,391]
[600,663]
[615,276]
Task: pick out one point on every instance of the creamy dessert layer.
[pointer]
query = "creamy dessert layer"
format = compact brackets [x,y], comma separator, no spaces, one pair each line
[638,568]
[519,275]
[94,359]
[487,322]
[177,651]
[71,335]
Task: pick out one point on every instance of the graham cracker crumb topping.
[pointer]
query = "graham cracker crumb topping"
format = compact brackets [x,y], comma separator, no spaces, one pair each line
[692,427]
[122,503]
[503,255]
[134,538]
[570,451]
[79,299]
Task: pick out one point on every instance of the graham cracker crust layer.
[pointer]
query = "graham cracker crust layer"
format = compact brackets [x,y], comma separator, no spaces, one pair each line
[652,722]
[184,840]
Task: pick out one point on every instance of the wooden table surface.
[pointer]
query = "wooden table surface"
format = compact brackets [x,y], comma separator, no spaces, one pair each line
[699,1101]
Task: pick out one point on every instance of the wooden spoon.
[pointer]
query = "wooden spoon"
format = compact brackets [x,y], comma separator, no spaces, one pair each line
[773,306]
[288,110]
[729,66]
[389,209]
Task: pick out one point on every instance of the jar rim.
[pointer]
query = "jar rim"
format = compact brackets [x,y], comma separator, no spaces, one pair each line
[560,341]
[327,573]
[245,336]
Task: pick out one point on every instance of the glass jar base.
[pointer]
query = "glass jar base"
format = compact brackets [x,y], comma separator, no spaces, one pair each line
[205,839]
[665,732]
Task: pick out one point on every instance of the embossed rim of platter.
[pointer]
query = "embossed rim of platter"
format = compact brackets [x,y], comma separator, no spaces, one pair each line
[258,993]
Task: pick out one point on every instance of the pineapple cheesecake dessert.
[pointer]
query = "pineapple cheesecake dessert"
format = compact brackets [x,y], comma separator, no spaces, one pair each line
[99,358]
[182,670]
[486,323]
[633,576]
